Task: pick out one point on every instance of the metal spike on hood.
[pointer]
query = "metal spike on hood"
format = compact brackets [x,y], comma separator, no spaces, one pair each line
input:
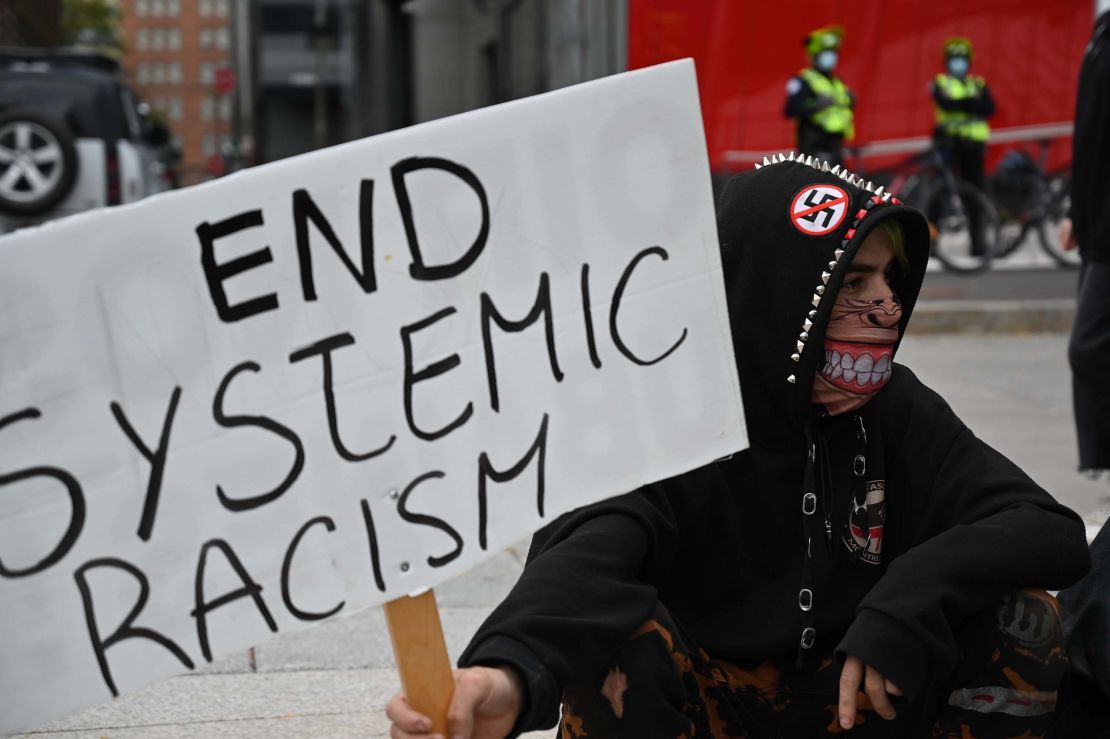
[879,191]
[766,161]
[870,186]
[796,356]
[791,157]
[758,165]
[807,324]
[838,253]
[791,379]
[836,170]
[816,301]
[825,277]
[887,196]
[801,346]
[825,166]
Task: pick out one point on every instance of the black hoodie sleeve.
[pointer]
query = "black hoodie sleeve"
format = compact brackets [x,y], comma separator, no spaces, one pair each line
[588,584]
[966,526]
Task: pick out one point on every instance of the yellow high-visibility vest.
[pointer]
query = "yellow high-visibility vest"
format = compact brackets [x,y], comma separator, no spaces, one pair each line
[958,123]
[838,117]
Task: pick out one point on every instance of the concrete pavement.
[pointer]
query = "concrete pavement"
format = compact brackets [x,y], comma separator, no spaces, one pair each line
[334,680]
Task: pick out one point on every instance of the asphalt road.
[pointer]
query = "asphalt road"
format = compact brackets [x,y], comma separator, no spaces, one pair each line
[1004,282]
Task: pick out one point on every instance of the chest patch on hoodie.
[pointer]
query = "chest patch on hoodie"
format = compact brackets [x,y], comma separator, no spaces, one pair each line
[819,209]
[864,536]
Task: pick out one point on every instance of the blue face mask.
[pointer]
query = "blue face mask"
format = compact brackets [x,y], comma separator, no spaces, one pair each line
[958,66]
[826,60]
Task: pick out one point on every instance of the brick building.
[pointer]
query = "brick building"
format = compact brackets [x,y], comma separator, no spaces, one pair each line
[174,53]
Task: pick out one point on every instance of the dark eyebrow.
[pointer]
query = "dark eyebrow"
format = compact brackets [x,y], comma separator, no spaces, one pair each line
[865,268]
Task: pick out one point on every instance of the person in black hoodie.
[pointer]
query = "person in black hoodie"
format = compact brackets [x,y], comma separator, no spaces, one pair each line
[1084,707]
[861,565]
[1088,228]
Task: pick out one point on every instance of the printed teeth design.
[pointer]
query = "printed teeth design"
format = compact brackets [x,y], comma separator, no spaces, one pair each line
[823,166]
[863,371]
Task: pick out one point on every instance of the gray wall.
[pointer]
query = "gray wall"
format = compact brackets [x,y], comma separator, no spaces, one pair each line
[470,54]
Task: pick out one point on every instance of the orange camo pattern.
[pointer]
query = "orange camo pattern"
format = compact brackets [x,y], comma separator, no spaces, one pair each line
[758,700]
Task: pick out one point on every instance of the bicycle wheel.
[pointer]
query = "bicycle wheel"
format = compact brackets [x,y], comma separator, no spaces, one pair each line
[965,227]
[1048,230]
[1011,235]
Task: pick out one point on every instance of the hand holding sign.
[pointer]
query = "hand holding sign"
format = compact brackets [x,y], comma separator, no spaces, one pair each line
[327,383]
[485,705]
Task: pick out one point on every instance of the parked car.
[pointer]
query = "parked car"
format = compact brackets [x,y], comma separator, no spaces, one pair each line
[72,137]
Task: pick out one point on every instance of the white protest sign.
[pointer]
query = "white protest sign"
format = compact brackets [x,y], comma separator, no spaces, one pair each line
[328,382]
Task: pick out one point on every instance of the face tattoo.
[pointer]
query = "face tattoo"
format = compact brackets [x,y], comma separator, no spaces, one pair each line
[862,330]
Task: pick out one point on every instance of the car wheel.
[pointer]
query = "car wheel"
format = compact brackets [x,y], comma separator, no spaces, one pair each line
[38,162]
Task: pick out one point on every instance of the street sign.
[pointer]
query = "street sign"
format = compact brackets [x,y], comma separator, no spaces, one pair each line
[224,80]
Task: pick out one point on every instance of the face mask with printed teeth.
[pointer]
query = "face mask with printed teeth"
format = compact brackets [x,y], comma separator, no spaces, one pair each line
[862,370]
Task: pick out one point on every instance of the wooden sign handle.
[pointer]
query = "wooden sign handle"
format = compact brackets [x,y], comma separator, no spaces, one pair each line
[421,654]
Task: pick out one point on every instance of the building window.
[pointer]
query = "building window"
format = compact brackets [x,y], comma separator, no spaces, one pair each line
[173,39]
[142,39]
[206,106]
[142,73]
[205,8]
[204,38]
[173,73]
[223,37]
[158,73]
[208,145]
[207,72]
[225,108]
[157,8]
[142,8]
[170,107]
[173,8]
[221,8]
[158,39]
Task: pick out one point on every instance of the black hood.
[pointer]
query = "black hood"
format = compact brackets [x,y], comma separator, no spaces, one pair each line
[788,230]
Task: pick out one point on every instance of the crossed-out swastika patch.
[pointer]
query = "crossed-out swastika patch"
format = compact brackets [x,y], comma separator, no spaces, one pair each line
[818,209]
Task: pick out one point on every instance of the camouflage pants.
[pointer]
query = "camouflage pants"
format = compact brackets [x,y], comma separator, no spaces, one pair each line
[660,684]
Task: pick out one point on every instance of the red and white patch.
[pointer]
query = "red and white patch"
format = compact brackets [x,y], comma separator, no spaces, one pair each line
[865,524]
[819,209]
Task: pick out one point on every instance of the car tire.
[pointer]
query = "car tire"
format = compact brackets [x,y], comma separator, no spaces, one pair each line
[38,162]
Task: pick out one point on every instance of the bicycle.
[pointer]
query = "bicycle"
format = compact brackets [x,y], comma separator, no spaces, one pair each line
[963,221]
[1029,200]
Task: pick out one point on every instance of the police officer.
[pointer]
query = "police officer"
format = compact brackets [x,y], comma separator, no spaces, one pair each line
[963,104]
[819,100]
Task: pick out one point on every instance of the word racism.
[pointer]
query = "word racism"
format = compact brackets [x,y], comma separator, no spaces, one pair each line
[154,447]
